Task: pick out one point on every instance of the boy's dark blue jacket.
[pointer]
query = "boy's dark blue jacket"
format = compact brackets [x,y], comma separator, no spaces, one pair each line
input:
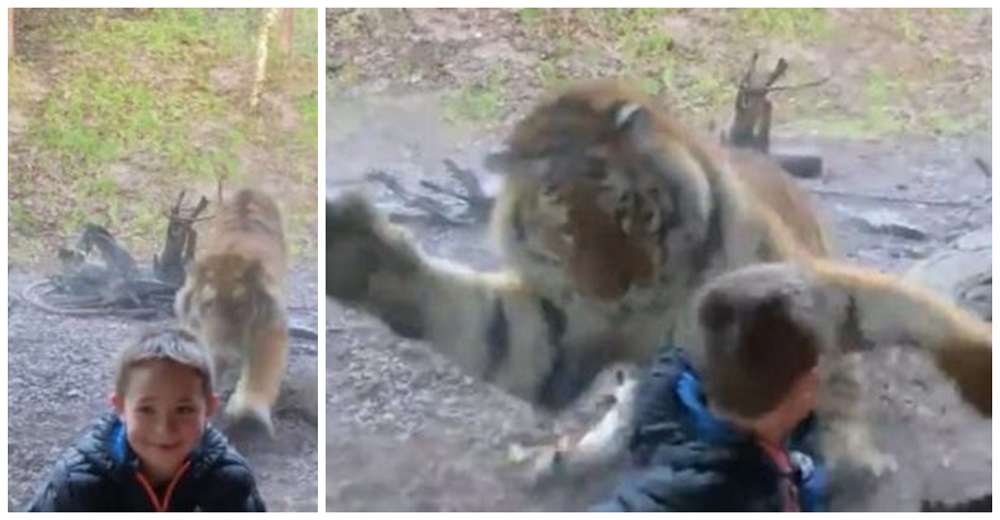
[688,460]
[100,474]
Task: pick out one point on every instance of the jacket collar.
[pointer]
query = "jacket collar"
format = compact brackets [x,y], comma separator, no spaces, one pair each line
[705,425]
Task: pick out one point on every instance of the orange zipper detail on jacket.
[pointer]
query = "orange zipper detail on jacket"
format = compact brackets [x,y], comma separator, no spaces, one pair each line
[151,493]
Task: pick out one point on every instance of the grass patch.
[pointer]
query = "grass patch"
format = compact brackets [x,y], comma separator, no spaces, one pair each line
[790,24]
[169,34]
[145,91]
[306,39]
[907,28]
[308,109]
[636,32]
[479,102]
[19,83]
[530,15]
[644,50]
[881,115]
[347,25]
[108,109]
[881,112]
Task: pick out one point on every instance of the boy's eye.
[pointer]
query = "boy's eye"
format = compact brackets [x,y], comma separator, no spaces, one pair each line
[147,410]
[185,409]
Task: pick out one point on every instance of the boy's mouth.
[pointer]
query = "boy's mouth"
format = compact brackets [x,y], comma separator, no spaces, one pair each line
[167,447]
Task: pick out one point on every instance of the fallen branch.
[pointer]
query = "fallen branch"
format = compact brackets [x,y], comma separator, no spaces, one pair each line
[435,209]
[808,84]
[752,113]
[478,204]
[751,123]
[467,179]
[179,246]
[115,285]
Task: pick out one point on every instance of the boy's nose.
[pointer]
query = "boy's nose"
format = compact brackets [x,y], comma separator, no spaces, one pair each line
[167,425]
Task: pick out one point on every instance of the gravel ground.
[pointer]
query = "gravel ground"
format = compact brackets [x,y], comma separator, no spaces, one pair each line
[59,375]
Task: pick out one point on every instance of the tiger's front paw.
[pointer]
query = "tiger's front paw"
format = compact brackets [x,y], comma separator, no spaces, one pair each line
[864,466]
[541,464]
[241,419]
[882,464]
[360,243]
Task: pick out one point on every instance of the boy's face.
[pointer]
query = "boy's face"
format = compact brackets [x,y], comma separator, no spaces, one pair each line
[165,411]
[800,401]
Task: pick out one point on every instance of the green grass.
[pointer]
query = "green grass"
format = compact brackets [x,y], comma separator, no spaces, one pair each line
[106,109]
[530,15]
[19,80]
[479,102]
[21,215]
[791,24]
[169,34]
[644,50]
[882,113]
[907,27]
[306,42]
[308,108]
[347,26]
[142,88]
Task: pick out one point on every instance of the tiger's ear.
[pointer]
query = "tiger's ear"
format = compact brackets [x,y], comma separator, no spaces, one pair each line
[633,120]
[626,113]
[507,162]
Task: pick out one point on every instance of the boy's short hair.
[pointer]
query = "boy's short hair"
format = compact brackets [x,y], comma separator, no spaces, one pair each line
[760,338]
[164,343]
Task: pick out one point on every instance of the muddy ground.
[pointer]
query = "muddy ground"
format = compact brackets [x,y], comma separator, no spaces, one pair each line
[59,374]
[406,431]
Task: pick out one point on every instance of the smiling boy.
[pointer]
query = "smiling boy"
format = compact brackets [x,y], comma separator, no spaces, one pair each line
[156,452]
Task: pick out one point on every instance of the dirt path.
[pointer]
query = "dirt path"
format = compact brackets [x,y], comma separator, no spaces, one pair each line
[408,432]
[59,375]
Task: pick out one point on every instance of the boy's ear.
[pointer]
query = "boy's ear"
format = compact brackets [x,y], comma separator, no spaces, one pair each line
[211,405]
[117,402]
[808,383]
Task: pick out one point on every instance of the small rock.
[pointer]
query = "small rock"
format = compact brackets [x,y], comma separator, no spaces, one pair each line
[976,240]
[883,221]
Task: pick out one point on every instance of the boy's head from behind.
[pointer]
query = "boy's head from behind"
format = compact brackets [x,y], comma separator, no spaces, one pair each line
[762,340]
[164,394]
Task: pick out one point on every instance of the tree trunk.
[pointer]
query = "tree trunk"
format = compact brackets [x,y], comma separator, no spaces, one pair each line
[10,33]
[261,74]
